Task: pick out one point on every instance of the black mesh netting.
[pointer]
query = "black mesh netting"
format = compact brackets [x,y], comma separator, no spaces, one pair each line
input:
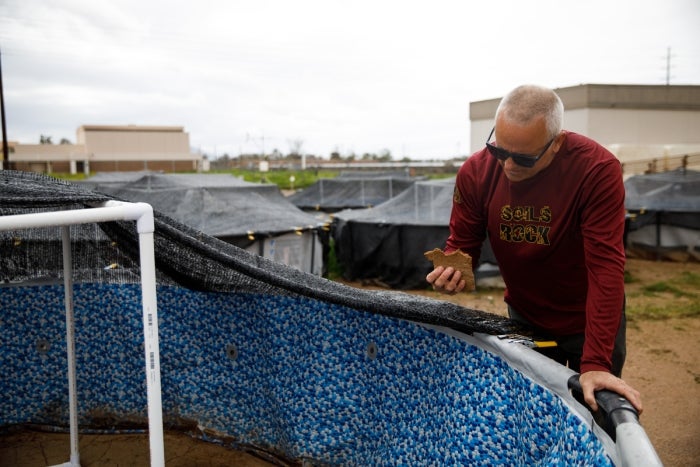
[351,191]
[187,257]
[663,215]
[668,198]
[385,244]
[219,205]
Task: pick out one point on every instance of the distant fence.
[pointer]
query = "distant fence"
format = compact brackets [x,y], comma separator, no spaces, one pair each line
[661,164]
[631,167]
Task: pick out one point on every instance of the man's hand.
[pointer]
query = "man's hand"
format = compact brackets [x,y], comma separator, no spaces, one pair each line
[446,280]
[596,380]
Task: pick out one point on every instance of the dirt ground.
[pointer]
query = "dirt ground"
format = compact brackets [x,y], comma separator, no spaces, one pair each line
[663,363]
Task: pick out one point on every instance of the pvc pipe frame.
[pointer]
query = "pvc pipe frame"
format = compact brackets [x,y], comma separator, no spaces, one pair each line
[142,213]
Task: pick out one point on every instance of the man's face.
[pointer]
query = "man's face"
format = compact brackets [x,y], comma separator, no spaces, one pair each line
[531,139]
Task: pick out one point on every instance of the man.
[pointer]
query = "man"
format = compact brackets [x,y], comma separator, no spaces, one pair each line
[552,204]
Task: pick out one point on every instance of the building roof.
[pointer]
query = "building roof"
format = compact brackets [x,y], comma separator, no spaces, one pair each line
[142,128]
[611,96]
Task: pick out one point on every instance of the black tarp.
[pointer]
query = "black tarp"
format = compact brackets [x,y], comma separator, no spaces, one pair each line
[664,214]
[385,244]
[351,190]
[253,216]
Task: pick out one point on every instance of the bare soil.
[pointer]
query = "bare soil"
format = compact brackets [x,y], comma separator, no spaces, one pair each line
[663,363]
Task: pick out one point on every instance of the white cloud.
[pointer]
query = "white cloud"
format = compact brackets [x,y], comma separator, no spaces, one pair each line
[358,76]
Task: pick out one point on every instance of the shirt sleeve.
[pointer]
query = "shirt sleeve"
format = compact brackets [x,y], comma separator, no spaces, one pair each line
[602,227]
[468,218]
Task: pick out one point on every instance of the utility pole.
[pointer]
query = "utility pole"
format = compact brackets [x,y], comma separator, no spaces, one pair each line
[260,146]
[668,66]
[5,147]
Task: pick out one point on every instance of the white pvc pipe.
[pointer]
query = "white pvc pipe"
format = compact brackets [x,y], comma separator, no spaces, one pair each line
[634,447]
[113,211]
[142,213]
[151,345]
[70,345]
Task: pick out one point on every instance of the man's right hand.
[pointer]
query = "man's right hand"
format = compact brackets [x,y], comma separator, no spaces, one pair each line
[446,280]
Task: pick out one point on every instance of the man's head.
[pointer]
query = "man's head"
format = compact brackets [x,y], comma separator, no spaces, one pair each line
[528,131]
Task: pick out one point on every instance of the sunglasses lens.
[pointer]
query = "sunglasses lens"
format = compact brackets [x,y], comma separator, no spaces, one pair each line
[524,161]
[497,152]
[503,155]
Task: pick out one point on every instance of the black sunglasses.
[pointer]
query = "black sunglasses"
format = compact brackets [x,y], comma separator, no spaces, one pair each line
[524,160]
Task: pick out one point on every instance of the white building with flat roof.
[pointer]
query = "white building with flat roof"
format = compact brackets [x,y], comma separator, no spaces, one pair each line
[110,148]
[640,124]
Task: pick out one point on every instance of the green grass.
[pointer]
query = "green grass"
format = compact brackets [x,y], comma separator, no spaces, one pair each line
[690,279]
[281,178]
[664,287]
[661,312]
[677,297]
[629,279]
[68,176]
[333,269]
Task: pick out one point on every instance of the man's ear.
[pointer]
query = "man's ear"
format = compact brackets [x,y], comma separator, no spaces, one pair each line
[558,141]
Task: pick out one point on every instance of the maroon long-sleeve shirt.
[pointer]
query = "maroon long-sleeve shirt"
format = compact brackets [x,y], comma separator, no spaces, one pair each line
[557,237]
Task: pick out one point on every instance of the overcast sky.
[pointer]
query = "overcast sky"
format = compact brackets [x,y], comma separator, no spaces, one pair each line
[360,76]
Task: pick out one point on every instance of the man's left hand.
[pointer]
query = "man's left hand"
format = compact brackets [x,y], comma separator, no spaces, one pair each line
[592,381]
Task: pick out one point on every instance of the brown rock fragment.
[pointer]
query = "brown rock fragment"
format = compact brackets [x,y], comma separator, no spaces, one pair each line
[458,260]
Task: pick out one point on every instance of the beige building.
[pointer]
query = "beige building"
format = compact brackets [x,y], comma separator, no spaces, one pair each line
[107,148]
[644,126]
